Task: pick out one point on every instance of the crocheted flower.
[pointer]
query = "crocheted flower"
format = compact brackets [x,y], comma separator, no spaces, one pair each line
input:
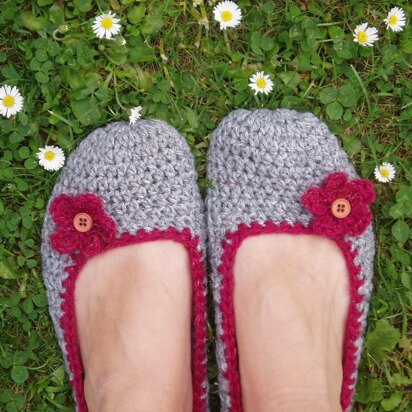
[82,224]
[340,206]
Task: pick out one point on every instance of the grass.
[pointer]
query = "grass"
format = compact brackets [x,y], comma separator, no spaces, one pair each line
[192,76]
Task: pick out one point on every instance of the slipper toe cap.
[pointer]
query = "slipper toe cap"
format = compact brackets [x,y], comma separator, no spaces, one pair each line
[262,161]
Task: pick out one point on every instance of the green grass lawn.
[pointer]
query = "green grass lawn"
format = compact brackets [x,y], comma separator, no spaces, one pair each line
[182,69]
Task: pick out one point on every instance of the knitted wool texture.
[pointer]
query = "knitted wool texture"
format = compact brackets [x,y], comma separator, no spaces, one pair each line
[260,163]
[145,176]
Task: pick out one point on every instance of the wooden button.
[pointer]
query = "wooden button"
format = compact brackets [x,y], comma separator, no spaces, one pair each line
[82,222]
[340,208]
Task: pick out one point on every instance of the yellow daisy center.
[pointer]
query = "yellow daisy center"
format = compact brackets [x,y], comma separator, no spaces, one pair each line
[362,36]
[227,15]
[107,23]
[49,155]
[261,83]
[385,172]
[8,101]
[393,20]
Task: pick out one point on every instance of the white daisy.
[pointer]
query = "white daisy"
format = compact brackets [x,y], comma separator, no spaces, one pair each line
[135,114]
[365,35]
[396,19]
[51,157]
[11,101]
[261,83]
[228,14]
[106,25]
[385,173]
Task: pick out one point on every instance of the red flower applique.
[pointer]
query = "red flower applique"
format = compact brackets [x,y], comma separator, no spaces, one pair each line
[82,224]
[340,206]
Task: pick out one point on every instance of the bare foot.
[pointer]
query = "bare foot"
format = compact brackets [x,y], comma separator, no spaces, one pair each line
[133,310]
[291,300]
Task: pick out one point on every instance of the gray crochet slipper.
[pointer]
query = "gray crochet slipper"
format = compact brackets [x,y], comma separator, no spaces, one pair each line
[124,184]
[282,171]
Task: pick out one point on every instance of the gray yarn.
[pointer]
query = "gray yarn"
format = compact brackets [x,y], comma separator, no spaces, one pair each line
[260,163]
[146,177]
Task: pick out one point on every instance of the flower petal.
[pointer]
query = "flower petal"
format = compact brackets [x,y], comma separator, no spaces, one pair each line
[315,201]
[89,203]
[357,223]
[335,181]
[62,210]
[363,189]
[90,243]
[106,227]
[328,225]
[65,240]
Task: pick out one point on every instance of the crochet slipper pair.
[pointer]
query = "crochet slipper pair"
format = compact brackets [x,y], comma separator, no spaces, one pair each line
[272,172]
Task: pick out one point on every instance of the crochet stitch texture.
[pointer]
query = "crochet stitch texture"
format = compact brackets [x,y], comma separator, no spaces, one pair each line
[260,164]
[145,176]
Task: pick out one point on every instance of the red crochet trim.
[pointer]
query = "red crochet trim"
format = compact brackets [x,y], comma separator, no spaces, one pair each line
[231,244]
[68,319]
[359,193]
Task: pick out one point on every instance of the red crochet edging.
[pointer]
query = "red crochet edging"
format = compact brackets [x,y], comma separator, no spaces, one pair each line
[231,244]
[68,319]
